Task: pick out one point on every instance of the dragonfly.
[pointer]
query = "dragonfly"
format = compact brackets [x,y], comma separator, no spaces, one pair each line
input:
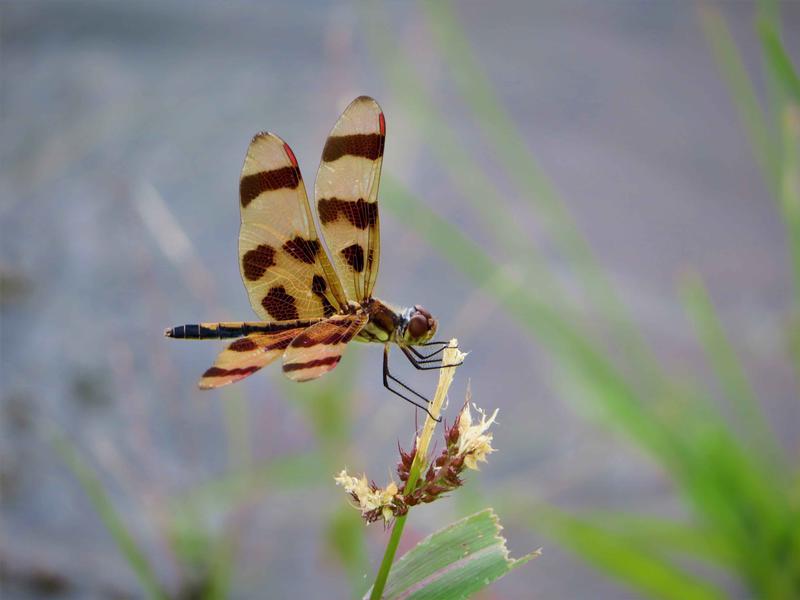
[313,302]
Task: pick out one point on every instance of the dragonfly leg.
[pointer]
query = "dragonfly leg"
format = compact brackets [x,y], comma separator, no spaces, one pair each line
[427,364]
[422,356]
[387,377]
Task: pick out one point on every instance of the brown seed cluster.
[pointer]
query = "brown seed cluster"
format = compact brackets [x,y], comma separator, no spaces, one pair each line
[442,475]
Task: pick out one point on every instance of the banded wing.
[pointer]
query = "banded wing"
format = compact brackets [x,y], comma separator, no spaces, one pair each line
[285,269]
[346,192]
[320,347]
[247,355]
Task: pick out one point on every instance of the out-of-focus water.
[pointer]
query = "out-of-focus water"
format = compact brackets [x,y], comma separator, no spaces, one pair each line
[113,113]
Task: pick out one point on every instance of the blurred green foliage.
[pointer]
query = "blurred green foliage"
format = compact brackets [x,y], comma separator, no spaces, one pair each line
[102,504]
[741,491]
[206,554]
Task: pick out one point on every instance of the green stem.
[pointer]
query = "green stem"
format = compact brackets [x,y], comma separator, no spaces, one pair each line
[388,558]
[397,532]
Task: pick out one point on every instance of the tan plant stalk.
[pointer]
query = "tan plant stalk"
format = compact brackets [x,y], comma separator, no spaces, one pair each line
[452,356]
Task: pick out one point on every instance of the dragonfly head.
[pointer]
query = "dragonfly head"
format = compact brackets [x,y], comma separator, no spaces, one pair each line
[419,326]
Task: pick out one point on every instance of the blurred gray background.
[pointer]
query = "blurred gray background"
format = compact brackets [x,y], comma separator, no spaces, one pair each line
[123,130]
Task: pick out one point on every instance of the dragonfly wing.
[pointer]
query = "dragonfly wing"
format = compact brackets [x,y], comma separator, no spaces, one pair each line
[245,356]
[346,192]
[284,267]
[319,348]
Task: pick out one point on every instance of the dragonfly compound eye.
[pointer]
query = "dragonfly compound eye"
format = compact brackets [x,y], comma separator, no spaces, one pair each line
[418,326]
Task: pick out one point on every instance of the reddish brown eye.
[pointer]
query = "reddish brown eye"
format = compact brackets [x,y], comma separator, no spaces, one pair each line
[422,311]
[418,326]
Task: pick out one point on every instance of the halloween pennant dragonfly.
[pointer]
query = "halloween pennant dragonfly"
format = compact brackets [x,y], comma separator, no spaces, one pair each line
[311,305]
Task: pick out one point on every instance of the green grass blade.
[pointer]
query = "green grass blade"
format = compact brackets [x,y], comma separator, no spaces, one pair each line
[743,93]
[294,471]
[662,536]
[790,189]
[221,571]
[726,364]
[616,555]
[516,157]
[768,15]
[344,537]
[779,61]
[464,172]
[769,10]
[790,213]
[497,125]
[537,319]
[454,562]
[205,557]
[111,519]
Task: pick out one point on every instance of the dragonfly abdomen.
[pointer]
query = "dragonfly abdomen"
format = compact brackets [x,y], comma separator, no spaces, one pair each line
[209,331]
[220,331]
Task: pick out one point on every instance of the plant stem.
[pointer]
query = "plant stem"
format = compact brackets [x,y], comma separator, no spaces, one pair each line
[451,356]
[388,558]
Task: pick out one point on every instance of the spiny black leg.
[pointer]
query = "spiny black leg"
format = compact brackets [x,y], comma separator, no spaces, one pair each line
[442,346]
[434,344]
[429,361]
[387,376]
[417,394]
[422,356]
[422,364]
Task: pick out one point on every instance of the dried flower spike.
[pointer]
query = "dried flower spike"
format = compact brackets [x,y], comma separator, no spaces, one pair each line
[466,444]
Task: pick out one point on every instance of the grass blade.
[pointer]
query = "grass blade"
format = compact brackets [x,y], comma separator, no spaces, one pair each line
[111,519]
[790,212]
[743,93]
[616,555]
[778,60]
[585,359]
[344,538]
[465,173]
[454,562]
[516,157]
[665,536]
[790,189]
[726,364]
